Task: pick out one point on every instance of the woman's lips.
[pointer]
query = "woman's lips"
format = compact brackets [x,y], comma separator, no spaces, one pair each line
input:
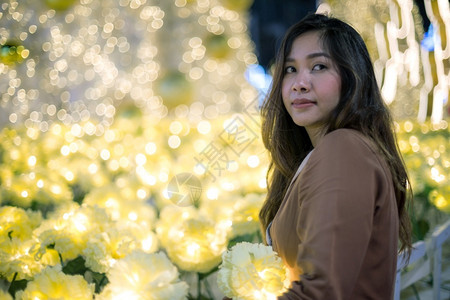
[302,103]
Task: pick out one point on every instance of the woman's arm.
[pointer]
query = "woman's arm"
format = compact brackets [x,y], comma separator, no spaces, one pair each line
[338,200]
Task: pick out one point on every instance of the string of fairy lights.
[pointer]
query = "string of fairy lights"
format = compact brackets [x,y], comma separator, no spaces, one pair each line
[87,61]
[71,65]
[412,66]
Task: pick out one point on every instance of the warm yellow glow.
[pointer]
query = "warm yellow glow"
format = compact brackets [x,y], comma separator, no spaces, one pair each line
[175,127]
[204,127]
[98,56]
[141,194]
[150,148]
[140,159]
[81,222]
[65,150]
[40,183]
[93,168]
[257,294]
[232,166]
[262,183]
[212,193]
[69,176]
[193,249]
[436,175]
[145,176]
[147,243]
[105,154]
[87,116]
[111,202]
[132,216]
[228,186]
[163,176]
[253,161]
[56,189]
[440,202]
[32,161]
[200,169]
[174,141]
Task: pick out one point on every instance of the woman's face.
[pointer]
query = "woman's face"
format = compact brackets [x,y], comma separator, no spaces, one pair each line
[311,84]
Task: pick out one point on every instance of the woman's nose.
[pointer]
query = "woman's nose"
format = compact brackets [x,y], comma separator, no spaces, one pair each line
[301,82]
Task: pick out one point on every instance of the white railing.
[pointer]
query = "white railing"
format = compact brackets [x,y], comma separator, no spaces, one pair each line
[424,255]
[441,235]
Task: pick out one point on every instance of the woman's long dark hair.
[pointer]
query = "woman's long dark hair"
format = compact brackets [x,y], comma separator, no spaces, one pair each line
[360,107]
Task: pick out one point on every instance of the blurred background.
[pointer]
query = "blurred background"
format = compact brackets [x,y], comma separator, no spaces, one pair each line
[135,105]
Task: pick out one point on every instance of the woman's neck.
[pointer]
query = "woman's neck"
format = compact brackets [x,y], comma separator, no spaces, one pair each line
[315,134]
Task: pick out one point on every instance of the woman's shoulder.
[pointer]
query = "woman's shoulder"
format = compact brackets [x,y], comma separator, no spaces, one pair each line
[347,140]
[346,146]
[348,151]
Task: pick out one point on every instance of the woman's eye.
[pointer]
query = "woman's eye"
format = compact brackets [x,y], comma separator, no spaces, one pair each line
[318,67]
[289,69]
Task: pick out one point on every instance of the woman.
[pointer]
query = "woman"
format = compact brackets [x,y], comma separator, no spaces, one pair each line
[336,220]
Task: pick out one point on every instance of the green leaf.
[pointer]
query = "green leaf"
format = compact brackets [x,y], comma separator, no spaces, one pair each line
[242,238]
[421,228]
[75,266]
[17,285]
[78,193]
[100,280]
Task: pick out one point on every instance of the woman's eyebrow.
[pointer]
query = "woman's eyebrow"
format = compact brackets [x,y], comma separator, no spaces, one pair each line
[318,54]
[310,56]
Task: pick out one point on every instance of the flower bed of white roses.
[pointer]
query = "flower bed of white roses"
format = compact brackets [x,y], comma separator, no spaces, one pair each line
[87,215]
[85,210]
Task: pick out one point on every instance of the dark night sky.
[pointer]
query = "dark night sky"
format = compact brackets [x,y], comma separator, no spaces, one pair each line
[269,20]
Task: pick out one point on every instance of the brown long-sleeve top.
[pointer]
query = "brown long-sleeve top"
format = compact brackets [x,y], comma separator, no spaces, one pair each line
[337,227]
